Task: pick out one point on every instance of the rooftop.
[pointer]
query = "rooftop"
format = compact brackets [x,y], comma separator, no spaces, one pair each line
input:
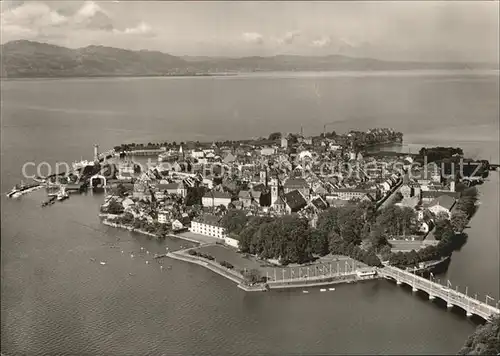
[208,219]
[295,200]
[219,195]
[296,183]
[445,201]
[437,193]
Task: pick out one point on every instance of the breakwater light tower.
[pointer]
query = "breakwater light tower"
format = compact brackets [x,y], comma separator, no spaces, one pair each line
[96,153]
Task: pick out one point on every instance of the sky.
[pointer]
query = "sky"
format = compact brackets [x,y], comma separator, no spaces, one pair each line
[391,30]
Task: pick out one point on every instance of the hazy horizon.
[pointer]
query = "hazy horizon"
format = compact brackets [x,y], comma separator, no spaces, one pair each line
[422,31]
[201,56]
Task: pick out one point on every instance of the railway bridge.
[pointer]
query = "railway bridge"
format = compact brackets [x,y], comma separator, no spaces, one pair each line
[471,305]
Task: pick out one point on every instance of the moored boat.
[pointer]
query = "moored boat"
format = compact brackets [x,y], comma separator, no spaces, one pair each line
[62,195]
[18,188]
[81,165]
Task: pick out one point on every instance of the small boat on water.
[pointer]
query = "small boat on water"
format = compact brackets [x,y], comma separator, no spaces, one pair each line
[62,195]
[103,263]
[331,289]
[49,202]
[322,290]
[39,180]
[18,189]
[92,259]
[305,291]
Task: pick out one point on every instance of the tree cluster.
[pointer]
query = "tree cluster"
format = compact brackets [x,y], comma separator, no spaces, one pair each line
[439,153]
[194,195]
[361,139]
[127,219]
[226,264]
[275,136]
[253,276]
[286,238]
[485,340]
[398,221]
[290,238]
[468,201]
[202,255]
[115,208]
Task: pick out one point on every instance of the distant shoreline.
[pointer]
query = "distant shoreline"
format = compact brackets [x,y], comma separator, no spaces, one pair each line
[120,76]
[478,71]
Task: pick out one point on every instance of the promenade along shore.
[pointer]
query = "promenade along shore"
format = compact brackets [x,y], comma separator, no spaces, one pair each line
[327,271]
[251,274]
[286,283]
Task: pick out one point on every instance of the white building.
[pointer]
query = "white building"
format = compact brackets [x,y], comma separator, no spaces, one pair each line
[208,225]
[197,154]
[267,151]
[443,203]
[213,199]
[348,194]
[231,242]
[163,217]
[334,147]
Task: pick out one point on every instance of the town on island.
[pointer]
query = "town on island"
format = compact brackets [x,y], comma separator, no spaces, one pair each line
[290,211]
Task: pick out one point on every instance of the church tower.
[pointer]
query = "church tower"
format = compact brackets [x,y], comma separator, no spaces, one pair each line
[181,152]
[274,190]
[263,175]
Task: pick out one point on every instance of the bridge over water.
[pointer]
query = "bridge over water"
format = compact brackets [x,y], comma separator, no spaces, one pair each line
[436,290]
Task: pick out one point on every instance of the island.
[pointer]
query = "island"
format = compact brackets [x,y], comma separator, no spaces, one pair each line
[289,211]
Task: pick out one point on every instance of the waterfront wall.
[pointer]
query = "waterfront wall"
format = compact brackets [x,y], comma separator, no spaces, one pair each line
[285,284]
[314,281]
[129,228]
[186,239]
[213,266]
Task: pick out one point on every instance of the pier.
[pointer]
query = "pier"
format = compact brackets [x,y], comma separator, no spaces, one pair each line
[472,306]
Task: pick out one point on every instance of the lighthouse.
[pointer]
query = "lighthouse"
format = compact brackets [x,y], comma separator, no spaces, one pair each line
[96,153]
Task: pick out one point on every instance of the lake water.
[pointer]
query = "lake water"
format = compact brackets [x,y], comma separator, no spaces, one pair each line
[56,300]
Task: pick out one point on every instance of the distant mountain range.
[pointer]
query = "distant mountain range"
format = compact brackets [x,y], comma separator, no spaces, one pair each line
[28,59]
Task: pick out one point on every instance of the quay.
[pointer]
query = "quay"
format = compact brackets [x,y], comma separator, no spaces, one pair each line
[225,272]
[348,276]
[472,306]
[319,281]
